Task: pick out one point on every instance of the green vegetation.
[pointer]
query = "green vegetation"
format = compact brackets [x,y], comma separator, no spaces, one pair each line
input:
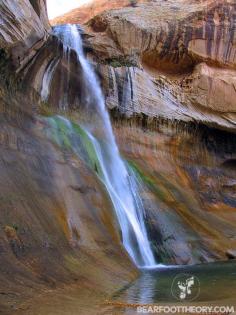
[45,110]
[72,137]
[140,173]
[89,148]
[59,132]
[161,194]
[120,62]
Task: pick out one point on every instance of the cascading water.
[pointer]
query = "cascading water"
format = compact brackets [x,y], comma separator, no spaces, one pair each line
[47,79]
[122,191]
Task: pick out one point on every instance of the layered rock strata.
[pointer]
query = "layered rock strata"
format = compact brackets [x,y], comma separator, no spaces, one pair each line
[180,53]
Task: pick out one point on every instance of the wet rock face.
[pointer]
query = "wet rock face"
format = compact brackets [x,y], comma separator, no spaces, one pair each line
[51,199]
[188,184]
[212,88]
[65,88]
[148,65]
[184,58]
[202,34]
[56,225]
[215,38]
[40,7]
[207,95]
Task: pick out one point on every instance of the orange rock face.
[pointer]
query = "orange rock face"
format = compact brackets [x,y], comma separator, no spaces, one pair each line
[40,236]
[86,12]
[188,190]
[184,53]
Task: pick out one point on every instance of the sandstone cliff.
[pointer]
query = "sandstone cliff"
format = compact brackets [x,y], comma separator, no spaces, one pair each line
[188,187]
[23,30]
[55,229]
[181,53]
[161,62]
[85,12]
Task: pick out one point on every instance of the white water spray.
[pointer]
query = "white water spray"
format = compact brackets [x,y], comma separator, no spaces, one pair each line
[47,79]
[122,191]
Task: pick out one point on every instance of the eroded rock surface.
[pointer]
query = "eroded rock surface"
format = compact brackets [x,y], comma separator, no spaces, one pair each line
[56,226]
[23,29]
[172,35]
[188,188]
[161,62]
[187,45]
[57,229]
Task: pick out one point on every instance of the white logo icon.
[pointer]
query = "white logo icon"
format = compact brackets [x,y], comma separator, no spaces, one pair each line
[185,287]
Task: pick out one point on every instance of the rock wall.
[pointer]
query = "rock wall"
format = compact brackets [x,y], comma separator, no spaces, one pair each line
[40,7]
[188,189]
[171,35]
[205,96]
[23,30]
[56,228]
[56,224]
[146,64]
[187,46]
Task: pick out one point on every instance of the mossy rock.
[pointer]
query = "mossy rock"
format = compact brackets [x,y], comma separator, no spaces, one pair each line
[150,183]
[72,137]
[45,110]
[120,62]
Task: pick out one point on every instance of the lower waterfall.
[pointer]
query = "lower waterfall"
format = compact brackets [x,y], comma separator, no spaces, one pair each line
[119,184]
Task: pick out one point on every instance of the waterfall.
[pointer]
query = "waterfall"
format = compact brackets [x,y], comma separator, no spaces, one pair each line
[122,191]
[47,79]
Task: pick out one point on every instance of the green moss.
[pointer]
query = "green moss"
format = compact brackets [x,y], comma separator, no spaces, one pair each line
[120,62]
[159,192]
[45,110]
[140,173]
[89,148]
[72,137]
[58,132]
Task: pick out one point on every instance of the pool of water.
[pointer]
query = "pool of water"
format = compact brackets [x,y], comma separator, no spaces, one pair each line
[213,283]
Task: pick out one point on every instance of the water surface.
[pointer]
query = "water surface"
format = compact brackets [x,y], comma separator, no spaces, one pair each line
[217,285]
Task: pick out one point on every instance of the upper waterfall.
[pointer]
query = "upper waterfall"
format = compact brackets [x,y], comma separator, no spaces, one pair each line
[120,186]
